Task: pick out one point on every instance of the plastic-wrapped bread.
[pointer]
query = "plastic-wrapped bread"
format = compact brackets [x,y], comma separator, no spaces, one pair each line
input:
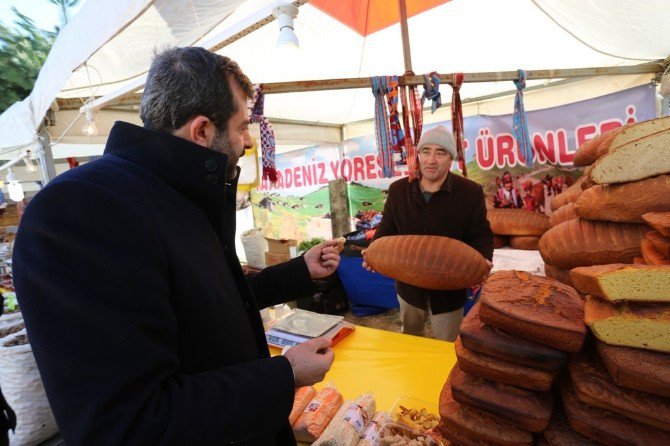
[568,195]
[619,282]
[427,261]
[302,398]
[317,415]
[517,222]
[373,428]
[660,221]
[625,202]
[594,148]
[349,422]
[580,242]
[564,213]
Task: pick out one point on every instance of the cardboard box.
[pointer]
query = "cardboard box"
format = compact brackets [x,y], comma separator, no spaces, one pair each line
[273,258]
[281,246]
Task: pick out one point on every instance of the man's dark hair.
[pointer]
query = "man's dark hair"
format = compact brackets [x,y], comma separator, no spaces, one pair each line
[190,81]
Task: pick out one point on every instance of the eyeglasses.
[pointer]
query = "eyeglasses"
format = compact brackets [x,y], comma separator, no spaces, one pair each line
[439,153]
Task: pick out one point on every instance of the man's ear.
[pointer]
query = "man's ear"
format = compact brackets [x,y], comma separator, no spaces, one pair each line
[199,130]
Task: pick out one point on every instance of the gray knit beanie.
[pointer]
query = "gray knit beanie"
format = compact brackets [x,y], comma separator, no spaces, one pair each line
[440,136]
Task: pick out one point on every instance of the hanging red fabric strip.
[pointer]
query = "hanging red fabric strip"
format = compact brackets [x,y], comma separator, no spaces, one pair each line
[411,107]
[457,120]
[267,136]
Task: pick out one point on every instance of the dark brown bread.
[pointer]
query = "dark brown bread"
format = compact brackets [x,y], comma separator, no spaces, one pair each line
[526,242]
[608,427]
[517,222]
[660,242]
[489,367]
[559,432]
[427,261]
[473,426]
[564,213]
[521,407]
[636,368]
[625,202]
[580,242]
[534,307]
[562,275]
[482,338]
[594,386]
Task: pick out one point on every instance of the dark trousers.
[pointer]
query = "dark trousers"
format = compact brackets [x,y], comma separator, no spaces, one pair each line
[7,420]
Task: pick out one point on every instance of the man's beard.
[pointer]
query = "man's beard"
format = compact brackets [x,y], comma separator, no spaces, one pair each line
[221,144]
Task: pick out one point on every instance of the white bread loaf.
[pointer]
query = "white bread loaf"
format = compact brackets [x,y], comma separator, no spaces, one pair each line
[580,242]
[619,282]
[640,130]
[636,160]
[594,148]
[625,202]
[629,324]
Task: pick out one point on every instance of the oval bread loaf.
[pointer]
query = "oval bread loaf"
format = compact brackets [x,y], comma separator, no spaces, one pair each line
[564,213]
[568,195]
[517,222]
[593,149]
[427,261]
[580,242]
[526,242]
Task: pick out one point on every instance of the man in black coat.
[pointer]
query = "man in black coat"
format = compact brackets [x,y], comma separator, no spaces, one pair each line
[144,328]
[437,203]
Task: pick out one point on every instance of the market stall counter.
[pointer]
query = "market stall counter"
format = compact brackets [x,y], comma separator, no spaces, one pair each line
[389,365]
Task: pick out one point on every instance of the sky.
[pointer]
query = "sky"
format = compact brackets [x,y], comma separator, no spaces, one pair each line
[45,14]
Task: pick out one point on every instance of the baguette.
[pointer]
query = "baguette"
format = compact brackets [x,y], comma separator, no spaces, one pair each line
[581,242]
[318,413]
[517,222]
[660,221]
[660,242]
[427,261]
[349,423]
[636,160]
[620,282]
[625,202]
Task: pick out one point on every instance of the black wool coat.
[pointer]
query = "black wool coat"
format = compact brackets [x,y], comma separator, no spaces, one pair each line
[143,325]
[457,210]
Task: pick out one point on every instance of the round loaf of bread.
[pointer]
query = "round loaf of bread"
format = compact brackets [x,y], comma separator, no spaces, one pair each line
[517,222]
[427,261]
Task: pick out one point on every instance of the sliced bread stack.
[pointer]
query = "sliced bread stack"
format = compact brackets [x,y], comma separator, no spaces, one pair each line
[512,348]
[519,228]
[619,390]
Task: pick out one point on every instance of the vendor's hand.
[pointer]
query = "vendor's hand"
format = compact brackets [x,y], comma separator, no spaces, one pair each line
[322,259]
[310,360]
[365,264]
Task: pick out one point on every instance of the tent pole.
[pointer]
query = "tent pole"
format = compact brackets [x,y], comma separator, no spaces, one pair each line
[407,54]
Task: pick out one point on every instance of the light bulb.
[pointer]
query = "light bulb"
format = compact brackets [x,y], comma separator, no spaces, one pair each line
[90,128]
[285,13]
[14,187]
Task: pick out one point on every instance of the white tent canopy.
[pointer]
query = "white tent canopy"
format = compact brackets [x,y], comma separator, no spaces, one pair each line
[109,45]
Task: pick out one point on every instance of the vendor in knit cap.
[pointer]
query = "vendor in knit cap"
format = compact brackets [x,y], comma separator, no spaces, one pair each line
[438,203]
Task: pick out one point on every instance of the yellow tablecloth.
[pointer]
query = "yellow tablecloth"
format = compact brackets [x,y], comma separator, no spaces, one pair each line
[390,365]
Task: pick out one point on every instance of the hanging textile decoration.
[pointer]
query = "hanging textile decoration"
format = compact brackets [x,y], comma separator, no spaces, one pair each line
[267,136]
[411,106]
[397,135]
[520,122]
[382,127]
[457,119]
[431,91]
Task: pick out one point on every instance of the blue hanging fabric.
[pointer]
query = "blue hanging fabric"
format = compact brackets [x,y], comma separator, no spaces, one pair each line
[431,90]
[382,127]
[520,122]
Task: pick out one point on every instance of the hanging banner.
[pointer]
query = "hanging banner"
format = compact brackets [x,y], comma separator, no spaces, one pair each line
[298,206]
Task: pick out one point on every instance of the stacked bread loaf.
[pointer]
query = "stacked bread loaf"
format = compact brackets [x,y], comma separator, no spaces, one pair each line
[619,390]
[518,228]
[511,350]
[599,220]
